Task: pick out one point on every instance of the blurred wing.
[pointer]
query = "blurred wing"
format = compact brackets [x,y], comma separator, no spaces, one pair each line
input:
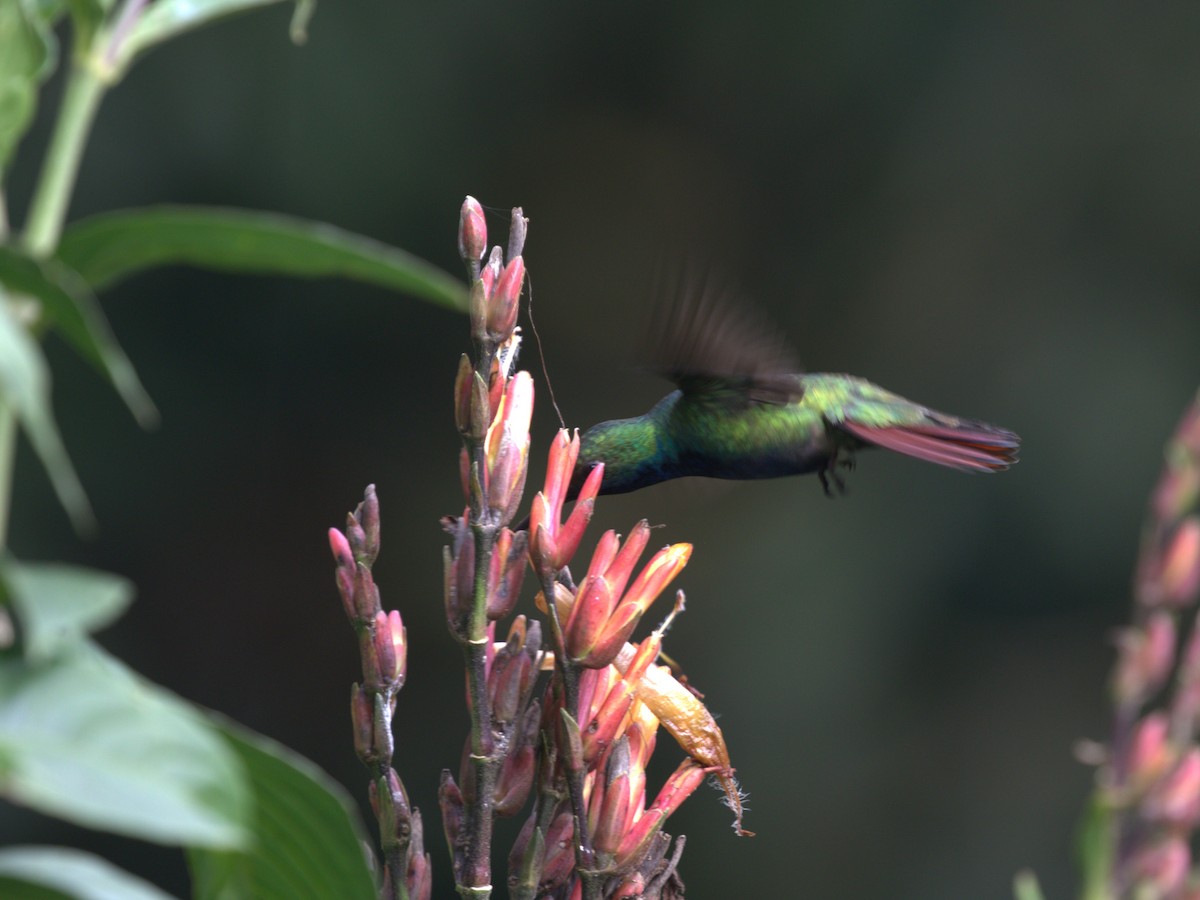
[719,349]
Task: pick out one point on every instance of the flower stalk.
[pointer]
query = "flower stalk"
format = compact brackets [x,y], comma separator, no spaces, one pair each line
[383,646]
[492,411]
[1147,802]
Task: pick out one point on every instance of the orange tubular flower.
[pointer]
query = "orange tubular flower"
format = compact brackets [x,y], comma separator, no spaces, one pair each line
[604,613]
[553,542]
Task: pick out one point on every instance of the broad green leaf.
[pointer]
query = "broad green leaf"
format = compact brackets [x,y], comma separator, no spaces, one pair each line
[57,604]
[28,872]
[308,836]
[85,739]
[25,389]
[27,53]
[166,19]
[106,248]
[71,307]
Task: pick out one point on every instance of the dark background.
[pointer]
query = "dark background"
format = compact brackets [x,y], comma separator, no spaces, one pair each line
[991,209]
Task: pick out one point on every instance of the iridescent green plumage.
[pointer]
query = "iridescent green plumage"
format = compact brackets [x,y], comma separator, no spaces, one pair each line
[743,411]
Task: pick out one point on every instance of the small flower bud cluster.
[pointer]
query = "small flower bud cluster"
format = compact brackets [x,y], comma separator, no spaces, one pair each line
[383,646]
[1151,783]
[495,285]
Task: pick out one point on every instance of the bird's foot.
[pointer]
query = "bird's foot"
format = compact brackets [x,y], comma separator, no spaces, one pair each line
[830,474]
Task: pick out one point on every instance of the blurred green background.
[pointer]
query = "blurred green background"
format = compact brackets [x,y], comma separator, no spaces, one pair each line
[988,208]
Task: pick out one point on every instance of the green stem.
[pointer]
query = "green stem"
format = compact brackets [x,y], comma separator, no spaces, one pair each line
[8,447]
[476,875]
[568,671]
[48,211]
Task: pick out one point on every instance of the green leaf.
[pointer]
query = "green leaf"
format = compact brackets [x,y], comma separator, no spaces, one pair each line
[85,739]
[166,19]
[308,836]
[64,872]
[27,56]
[105,248]
[25,388]
[71,307]
[1026,887]
[57,604]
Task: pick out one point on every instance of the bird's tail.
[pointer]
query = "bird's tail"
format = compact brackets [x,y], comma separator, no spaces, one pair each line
[957,443]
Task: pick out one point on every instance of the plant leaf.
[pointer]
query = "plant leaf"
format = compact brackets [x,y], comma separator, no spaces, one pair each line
[308,836]
[57,604]
[27,56]
[72,308]
[85,739]
[69,873]
[166,19]
[1026,887]
[106,248]
[25,388]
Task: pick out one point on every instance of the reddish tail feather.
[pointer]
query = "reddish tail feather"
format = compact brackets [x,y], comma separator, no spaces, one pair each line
[970,446]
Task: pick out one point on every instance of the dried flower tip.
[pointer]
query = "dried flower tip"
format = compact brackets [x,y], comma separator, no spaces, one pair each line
[687,720]
[517,228]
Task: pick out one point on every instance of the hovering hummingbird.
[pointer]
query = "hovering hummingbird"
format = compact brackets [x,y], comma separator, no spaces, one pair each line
[744,410]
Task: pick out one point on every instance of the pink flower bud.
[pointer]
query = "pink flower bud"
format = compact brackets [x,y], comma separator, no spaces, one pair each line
[507,572]
[1181,564]
[520,764]
[609,809]
[1176,799]
[504,302]
[1144,659]
[1161,867]
[1150,753]
[391,647]
[491,272]
[472,231]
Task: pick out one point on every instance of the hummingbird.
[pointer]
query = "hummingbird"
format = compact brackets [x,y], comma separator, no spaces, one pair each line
[743,409]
